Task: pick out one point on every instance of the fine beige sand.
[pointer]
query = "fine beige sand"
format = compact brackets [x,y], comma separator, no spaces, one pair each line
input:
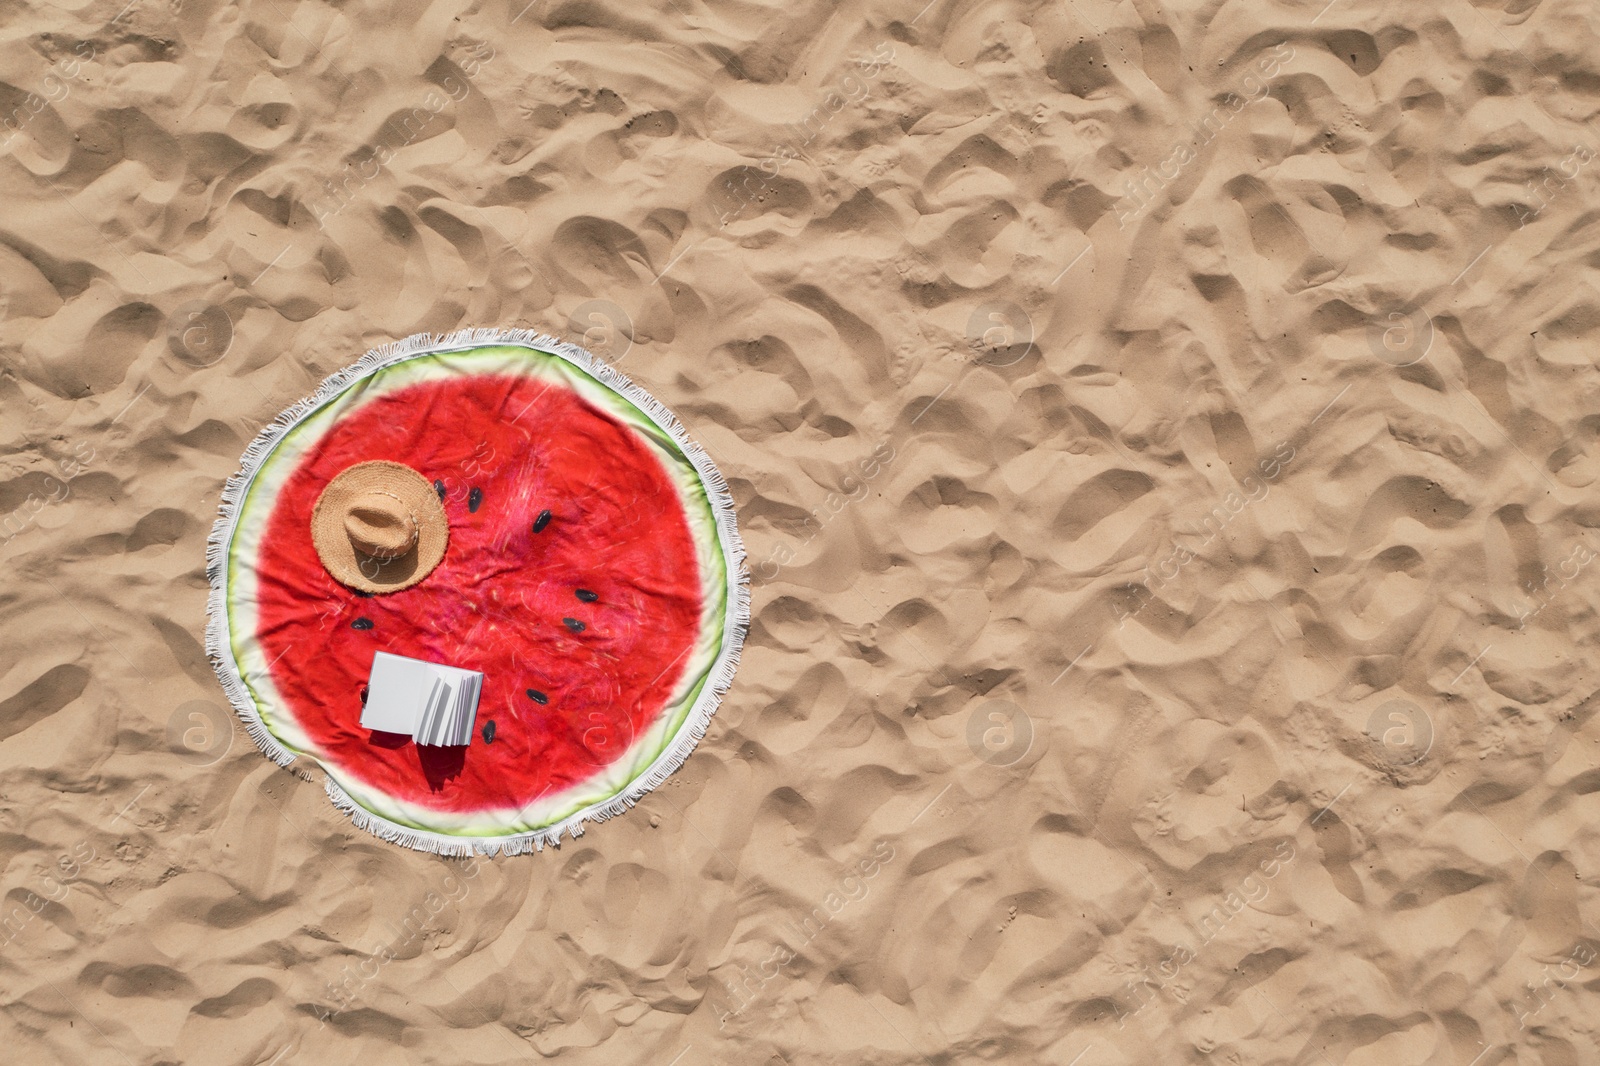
[1166,440]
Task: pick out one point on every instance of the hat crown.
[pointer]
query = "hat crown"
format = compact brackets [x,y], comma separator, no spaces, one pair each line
[380,525]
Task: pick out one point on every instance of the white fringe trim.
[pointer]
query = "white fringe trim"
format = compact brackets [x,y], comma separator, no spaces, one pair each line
[219,646]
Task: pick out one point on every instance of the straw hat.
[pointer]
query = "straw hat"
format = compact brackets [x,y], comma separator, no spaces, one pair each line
[379,527]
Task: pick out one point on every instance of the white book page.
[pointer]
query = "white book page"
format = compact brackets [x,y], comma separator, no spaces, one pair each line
[434,703]
[395,691]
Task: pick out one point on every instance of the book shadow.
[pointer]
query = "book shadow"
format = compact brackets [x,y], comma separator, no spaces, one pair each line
[439,764]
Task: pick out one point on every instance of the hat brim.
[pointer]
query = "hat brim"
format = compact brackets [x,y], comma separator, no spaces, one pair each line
[363,572]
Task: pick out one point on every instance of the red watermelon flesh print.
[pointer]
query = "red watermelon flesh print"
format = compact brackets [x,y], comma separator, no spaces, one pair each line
[581,627]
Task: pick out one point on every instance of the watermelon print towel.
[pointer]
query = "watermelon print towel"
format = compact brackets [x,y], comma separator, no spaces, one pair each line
[594,575]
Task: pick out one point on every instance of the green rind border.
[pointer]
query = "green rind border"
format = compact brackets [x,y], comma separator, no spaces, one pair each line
[710,672]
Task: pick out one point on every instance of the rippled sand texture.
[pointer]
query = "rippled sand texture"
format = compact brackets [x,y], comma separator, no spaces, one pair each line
[1166,440]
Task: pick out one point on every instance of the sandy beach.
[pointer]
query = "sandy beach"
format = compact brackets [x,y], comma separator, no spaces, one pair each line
[1164,436]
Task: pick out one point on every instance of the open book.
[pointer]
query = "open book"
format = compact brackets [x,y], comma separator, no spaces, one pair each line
[436,704]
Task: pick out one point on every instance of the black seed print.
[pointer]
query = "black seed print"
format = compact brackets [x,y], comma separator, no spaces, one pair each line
[363,695]
[542,521]
[361,623]
[586,596]
[574,625]
[537,697]
[488,732]
[363,595]
[474,498]
[438,486]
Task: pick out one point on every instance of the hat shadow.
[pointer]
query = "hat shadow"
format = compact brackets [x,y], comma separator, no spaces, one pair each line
[347,523]
[388,571]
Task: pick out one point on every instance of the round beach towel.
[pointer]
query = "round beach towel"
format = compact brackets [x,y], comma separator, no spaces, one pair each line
[594,575]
